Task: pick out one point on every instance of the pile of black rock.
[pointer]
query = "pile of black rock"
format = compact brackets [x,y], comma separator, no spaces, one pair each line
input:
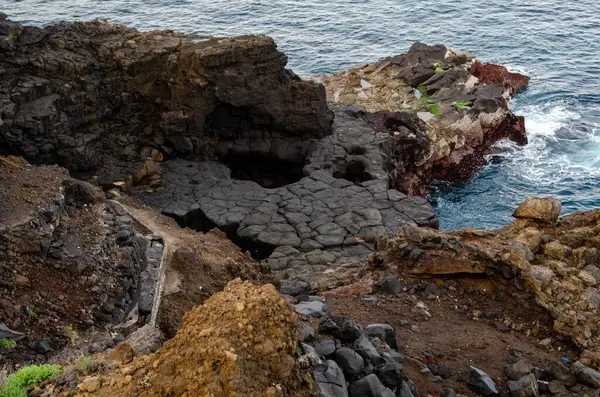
[347,360]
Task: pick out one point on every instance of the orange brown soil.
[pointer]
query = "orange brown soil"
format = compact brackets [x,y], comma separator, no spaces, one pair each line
[240,342]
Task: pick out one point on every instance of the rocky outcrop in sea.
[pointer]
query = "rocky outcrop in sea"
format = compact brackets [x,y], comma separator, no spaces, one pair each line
[461,107]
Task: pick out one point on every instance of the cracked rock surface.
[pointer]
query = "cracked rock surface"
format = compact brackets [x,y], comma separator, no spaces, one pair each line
[309,229]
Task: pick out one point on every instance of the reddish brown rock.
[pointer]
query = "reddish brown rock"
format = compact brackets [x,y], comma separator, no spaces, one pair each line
[488,73]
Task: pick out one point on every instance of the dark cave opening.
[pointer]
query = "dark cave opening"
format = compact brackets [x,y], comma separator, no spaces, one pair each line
[354,171]
[233,122]
[241,125]
[197,220]
[265,169]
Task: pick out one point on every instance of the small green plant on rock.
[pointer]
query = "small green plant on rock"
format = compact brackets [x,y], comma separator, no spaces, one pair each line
[71,334]
[7,343]
[31,313]
[462,105]
[438,67]
[434,108]
[15,384]
[87,365]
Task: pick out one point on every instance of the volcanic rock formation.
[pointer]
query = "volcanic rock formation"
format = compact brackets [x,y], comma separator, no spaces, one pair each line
[317,228]
[217,133]
[91,95]
[464,106]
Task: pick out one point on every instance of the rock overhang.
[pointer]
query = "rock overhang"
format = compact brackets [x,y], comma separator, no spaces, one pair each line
[89,95]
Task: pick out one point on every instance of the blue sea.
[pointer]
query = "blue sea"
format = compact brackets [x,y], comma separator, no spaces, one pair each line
[556,42]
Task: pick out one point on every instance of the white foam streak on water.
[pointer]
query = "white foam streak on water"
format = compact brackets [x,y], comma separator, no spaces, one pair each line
[548,127]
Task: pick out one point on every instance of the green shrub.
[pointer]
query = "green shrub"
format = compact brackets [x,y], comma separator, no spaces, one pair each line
[7,343]
[15,384]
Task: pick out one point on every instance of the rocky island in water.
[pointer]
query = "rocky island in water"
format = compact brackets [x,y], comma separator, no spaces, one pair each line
[181,215]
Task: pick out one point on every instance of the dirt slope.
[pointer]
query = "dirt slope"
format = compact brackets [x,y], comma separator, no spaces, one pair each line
[240,342]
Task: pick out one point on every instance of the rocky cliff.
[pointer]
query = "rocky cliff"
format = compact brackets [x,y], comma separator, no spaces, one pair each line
[91,95]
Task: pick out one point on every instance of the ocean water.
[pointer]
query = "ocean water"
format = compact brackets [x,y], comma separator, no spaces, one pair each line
[557,43]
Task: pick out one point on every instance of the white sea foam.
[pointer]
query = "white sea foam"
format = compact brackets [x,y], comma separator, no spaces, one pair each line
[560,147]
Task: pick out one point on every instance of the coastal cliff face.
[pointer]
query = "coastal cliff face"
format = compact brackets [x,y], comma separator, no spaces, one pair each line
[460,108]
[90,95]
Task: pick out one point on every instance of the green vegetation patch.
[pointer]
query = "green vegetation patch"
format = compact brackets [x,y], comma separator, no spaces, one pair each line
[31,314]
[423,90]
[7,343]
[434,108]
[462,105]
[15,384]
[439,67]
